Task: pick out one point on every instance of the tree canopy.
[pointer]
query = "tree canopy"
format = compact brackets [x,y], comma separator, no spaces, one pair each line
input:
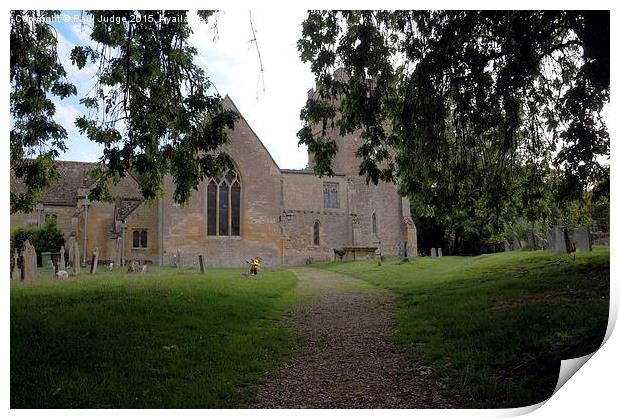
[36,73]
[474,113]
[153,110]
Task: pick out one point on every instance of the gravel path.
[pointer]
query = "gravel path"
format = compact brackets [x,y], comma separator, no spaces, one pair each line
[348,361]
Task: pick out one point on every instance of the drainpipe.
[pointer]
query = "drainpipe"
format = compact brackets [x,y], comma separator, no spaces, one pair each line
[123,229]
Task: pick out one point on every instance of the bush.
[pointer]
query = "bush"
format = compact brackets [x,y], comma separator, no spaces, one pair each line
[47,238]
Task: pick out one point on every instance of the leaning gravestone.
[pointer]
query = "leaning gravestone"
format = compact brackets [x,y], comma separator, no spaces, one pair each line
[202,266]
[439,252]
[433,252]
[94,261]
[62,264]
[516,243]
[75,259]
[559,242]
[29,263]
[506,245]
[582,239]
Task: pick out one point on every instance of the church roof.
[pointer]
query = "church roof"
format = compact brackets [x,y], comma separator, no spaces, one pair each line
[73,176]
[125,206]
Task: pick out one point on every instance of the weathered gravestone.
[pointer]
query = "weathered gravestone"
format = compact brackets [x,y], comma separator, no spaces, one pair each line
[582,239]
[176,258]
[14,268]
[62,264]
[559,242]
[94,261]
[433,252]
[506,245]
[202,267]
[29,262]
[75,259]
[118,260]
[134,267]
[516,243]
[439,252]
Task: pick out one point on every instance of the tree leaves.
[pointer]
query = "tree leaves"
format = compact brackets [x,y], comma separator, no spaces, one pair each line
[35,138]
[465,108]
[151,108]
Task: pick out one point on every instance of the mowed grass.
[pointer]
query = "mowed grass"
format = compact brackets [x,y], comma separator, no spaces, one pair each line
[169,339]
[494,328]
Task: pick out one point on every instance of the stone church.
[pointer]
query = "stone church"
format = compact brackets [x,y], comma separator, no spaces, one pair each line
[283,216]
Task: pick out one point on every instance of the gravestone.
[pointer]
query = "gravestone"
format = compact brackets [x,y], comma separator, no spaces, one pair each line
[94,261]
[202,267]
[582,239]
[14,268]
[439,252]
[46,258]
[118,253]
[506,245]
[433,252]
[75,259]
[61,263]
[29,262]
[559,241]
[134,267]
[176,258]
[516,243]
[401,250]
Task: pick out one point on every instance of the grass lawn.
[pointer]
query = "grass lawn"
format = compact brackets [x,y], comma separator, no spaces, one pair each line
[495,327]
[172,339]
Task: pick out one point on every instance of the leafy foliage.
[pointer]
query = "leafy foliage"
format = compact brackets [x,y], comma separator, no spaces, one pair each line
[473,112]
[47,238]
[152,109]
[36,73]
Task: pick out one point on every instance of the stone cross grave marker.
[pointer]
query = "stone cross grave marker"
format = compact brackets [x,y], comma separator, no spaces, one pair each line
[75,259]
[94,261]
[119,252]
[29,263]
[62,264]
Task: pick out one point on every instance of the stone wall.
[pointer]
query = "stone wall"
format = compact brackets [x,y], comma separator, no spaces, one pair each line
[298,235]
[185,227]
[145,217]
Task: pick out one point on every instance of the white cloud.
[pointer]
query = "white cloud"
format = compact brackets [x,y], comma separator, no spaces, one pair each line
[232,64]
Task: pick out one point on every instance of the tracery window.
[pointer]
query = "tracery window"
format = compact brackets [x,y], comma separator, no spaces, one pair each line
[224,205]
[330,195]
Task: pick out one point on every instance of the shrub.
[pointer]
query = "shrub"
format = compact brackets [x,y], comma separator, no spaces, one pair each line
[47,238]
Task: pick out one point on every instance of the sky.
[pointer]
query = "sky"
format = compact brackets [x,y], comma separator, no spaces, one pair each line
[271,103]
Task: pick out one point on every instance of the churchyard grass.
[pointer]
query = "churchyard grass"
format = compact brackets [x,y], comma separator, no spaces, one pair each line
[494,328]
[170,338]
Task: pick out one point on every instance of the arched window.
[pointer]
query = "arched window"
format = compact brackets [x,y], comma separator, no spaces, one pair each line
[374,223]
[224,205]
[316,234]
